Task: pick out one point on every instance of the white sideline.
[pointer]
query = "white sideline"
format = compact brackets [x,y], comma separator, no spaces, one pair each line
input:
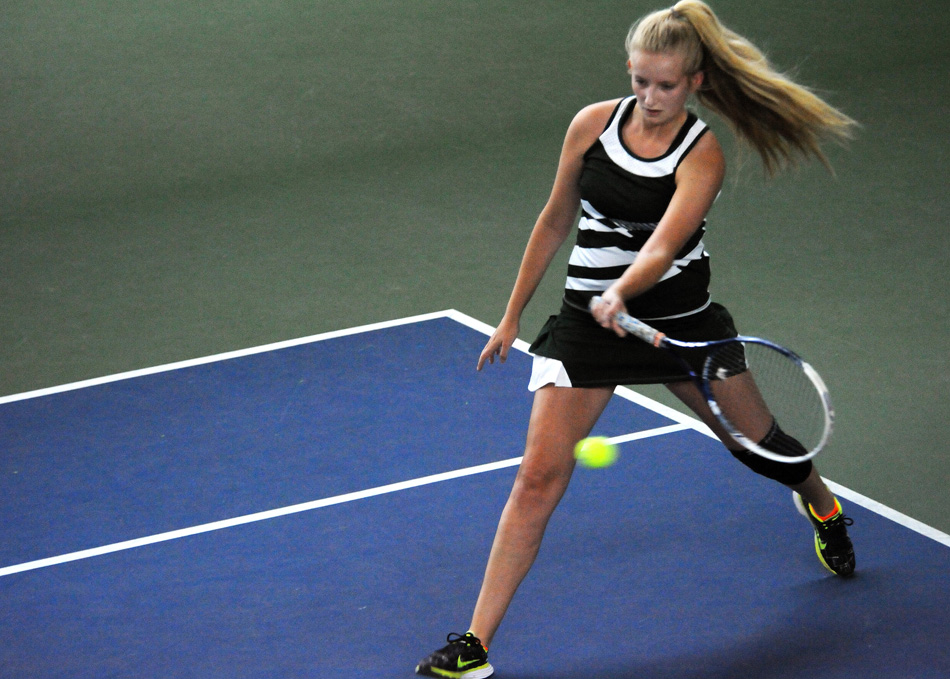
[296,509]
[683,422]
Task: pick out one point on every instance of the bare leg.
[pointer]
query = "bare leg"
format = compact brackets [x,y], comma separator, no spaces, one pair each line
[813,490]
[689,393]
[559,419]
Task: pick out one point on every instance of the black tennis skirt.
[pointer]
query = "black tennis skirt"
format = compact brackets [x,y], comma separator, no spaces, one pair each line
[595,357]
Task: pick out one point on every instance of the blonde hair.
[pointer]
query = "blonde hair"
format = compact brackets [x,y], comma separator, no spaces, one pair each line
[779,118]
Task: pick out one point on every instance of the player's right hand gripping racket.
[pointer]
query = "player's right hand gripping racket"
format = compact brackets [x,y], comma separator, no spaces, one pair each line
[768,398]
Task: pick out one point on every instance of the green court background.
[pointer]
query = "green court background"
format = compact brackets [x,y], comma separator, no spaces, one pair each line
[179,179]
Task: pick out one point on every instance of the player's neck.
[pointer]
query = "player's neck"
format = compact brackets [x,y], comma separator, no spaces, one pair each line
[651,139]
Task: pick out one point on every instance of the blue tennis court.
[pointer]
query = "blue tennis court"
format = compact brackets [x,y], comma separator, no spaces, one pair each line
[324,508]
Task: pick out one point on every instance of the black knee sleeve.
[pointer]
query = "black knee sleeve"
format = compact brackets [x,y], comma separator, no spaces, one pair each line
[778,440]
[788,474]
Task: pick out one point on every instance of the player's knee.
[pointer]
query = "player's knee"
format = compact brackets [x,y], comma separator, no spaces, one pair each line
[785,473]
[537,482]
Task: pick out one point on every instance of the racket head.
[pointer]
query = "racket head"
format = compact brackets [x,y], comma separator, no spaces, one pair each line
[768,398]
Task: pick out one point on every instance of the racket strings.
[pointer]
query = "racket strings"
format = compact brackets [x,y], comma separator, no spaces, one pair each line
[767,397]
[779,442]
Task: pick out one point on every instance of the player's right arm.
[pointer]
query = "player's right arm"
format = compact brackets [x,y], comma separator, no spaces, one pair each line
[553,226]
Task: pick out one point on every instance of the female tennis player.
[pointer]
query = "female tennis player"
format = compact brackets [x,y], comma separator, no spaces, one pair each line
[643,171]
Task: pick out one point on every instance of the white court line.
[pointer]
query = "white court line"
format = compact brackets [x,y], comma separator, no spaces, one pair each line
[683,422]
[887,512]
[298,508]
[178,365]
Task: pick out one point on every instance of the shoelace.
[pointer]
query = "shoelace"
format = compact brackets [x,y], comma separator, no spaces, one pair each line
[834,530]
[467,639]
[841,519]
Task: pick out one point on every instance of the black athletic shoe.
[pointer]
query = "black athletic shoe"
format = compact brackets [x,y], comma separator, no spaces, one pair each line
[832,543]
[463,658]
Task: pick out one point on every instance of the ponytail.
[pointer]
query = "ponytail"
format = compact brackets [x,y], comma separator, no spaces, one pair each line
[782,120]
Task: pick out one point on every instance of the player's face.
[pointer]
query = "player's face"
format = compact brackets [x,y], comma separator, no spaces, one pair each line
[661,85]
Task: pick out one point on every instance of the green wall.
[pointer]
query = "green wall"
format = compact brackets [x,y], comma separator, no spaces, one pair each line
[179,179]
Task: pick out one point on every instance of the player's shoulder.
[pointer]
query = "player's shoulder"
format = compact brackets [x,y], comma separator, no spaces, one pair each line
[707,150]
[596,115]
[704,161]
[590,121]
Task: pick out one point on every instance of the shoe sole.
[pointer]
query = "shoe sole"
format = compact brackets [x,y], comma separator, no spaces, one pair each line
[800,505]
[482,672]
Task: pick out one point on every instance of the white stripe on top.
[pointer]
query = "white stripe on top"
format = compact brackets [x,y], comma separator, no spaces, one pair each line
[606,257]
[645,168]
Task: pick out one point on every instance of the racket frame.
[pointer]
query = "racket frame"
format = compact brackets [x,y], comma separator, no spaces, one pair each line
[658,339]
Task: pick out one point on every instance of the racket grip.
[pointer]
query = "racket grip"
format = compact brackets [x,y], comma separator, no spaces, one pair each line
[634,326]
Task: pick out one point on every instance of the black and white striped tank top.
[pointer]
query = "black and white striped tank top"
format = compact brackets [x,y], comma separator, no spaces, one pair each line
[623,197]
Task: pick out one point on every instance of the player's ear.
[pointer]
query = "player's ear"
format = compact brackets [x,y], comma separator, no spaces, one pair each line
[696,80]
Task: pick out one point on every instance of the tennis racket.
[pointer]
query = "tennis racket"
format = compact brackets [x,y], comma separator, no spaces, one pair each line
[768,398]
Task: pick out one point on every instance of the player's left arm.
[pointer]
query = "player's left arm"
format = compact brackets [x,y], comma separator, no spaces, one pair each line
[698,181]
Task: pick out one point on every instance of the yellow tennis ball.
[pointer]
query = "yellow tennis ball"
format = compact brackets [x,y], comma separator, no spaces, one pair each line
[595,452]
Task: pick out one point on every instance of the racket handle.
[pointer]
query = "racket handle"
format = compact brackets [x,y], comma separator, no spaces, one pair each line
[634,326]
